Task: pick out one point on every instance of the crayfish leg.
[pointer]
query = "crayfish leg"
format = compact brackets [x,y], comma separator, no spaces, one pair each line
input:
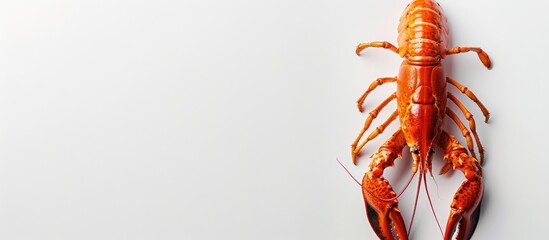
[482,55]
[385,45]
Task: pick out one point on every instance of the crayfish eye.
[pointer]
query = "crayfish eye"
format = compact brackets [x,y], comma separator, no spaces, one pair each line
[414,150]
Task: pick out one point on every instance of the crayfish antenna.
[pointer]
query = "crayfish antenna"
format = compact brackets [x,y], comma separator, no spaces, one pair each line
[431,203]
[347,170]
[415,205]
[424,177]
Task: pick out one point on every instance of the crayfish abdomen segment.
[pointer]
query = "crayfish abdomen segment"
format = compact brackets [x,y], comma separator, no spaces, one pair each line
[423,32]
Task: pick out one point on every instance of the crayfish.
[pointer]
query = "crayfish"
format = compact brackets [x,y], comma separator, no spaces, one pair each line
[421,95]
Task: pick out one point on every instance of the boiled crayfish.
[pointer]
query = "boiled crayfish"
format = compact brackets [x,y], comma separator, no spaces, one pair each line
[422,97]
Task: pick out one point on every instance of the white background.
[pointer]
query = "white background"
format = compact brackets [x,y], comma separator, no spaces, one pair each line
[223,119]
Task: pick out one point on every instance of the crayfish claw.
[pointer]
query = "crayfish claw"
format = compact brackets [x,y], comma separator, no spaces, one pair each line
[382,208]
[380,199]
[465,207]
[465,224]
[388,225]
